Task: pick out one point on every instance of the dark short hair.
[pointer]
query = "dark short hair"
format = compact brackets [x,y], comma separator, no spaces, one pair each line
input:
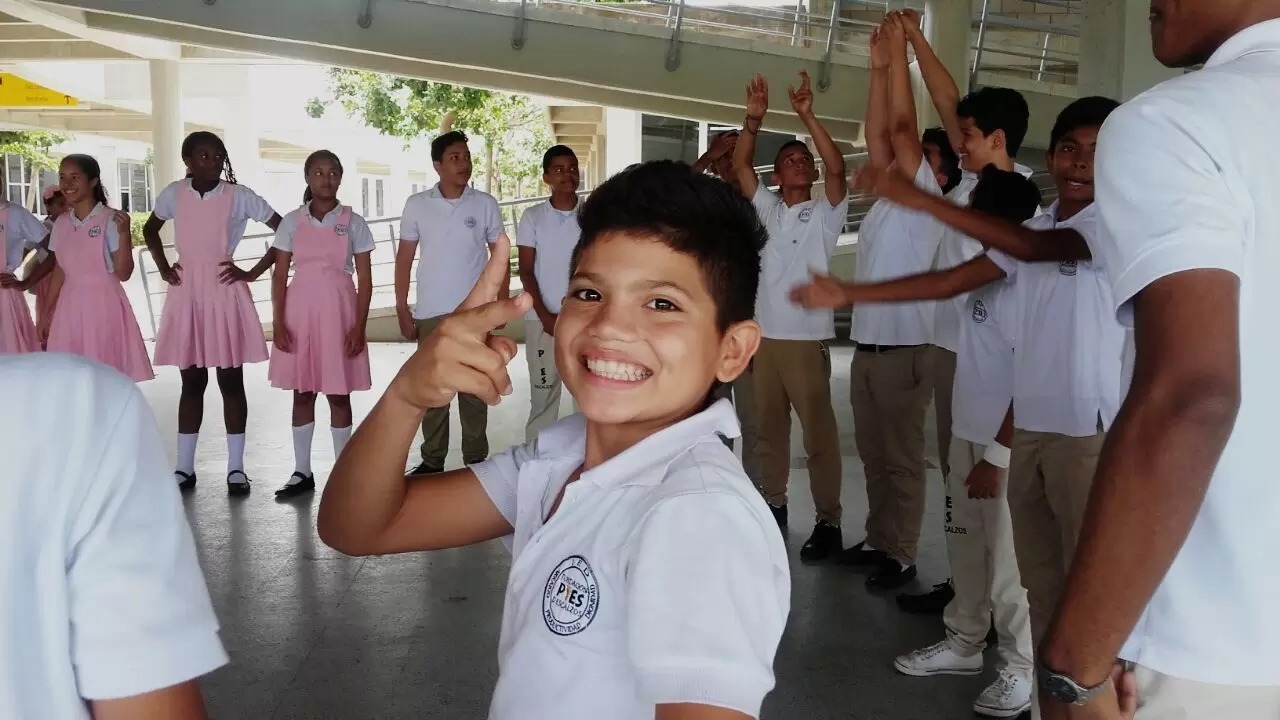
[950,160]
[1086,112]
[777,157]
[1006,194]
[556,151]
[995,108]
[693,214]
[442,143]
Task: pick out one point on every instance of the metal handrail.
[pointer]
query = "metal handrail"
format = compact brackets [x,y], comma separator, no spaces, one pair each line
[1064,65]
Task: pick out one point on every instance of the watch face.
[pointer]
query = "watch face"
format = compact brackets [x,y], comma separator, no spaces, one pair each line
[1062,690]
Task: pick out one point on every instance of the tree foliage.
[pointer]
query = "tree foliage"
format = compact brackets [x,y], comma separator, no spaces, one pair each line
[513,128]
[33,145]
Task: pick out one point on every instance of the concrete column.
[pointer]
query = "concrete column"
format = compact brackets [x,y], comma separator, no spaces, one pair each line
[1115,50]
[599,164]
[241,132]
[623,138]
[167,128]
[948,25]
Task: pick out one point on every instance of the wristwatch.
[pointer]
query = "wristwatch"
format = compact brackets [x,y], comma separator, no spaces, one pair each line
[1064,688]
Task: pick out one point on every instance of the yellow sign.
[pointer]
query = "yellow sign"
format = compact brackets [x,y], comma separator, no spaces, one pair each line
[17,92]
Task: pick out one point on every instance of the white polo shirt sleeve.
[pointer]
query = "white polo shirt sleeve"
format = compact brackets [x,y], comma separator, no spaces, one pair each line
[765,201]
[25,227]
[166,205]
[833,219]
[360,235]
[493,225]
[527,228]
[139,610]
[500,475]
[288,227]
[249,205]
[705,617]
[409,219]
[1165,207]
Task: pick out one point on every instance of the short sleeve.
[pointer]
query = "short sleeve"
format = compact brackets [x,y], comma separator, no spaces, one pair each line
[249,205]
[765,200]
[141,619]
[113,233]
[706,604]
[526,230]
[284,234]
[409,221]
[360,235]
[493,220]
[834,216]
[500,474]
[166,205]
[1007,263]
[1163,202]
[27,227]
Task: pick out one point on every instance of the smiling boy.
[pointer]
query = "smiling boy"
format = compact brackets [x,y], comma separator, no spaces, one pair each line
[648,579]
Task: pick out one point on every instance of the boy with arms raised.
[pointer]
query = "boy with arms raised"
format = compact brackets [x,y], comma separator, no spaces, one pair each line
[648,578]
[792,369]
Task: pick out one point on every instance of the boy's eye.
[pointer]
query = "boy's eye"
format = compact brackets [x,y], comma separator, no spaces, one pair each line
[662,305]
[586,295]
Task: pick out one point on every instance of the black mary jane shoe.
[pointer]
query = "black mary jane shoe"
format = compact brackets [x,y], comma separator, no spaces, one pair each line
[306,485]
[238,489]
[188,481]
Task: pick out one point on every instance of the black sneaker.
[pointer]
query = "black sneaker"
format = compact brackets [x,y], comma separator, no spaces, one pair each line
[860,556]
[891,576]
[825,542]
[306,485]
[779,514]
[930,603]
[424,469]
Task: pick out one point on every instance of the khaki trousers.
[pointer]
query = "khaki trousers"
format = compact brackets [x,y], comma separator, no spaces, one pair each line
[1161,697]
[944,382]
[435,424]
[545,387]
[742,394]
[797,374]
[1050,476]
[984,569]
[890,392]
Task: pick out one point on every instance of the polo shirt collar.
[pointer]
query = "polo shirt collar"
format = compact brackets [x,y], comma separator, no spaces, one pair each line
[435,193]
[217,189]
[1256,38]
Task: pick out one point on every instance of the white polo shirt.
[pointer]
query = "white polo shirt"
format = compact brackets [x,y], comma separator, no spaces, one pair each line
[22,230]
[662,577]
[984,363]
[801,240]
[453,238]
[955,249]
[102,595]
[1188,177]
[1069,345]
[553,234]
[895,242]
[245,206]
[359,237]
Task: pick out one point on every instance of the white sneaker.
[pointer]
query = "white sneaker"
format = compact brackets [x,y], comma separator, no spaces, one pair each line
[1009,696]
[939,659]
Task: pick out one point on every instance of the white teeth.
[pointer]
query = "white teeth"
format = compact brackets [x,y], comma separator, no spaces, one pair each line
[616,370]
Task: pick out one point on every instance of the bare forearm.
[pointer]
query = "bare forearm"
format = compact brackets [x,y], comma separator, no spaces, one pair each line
[364,297]
[155,245]
[268,259]
[122,260]
[38,273]
[832,158]
[702,163]
[404,268]
[1004,435]
[941,86]
[937,285]
[530,284]
[279,292]
[879,149]
[1008,237]
[744,154]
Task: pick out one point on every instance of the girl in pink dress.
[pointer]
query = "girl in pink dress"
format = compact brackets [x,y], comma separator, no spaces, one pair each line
[19,230]
[209,319]
[91,314]
[41,277]
[319,327]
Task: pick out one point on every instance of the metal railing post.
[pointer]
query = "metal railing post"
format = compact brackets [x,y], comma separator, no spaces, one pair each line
[824,73]
[1044,56]
[795,25]
[517,36]
[146,289]
[673,50]
[982,38]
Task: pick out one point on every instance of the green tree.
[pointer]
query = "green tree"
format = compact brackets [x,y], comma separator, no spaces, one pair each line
[36,148]
[513,129]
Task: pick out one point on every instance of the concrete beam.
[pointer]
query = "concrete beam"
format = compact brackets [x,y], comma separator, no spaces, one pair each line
[71,21]
[30,32]
[52,51]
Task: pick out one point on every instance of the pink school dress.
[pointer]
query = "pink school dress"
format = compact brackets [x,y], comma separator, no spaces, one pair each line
[204,322]
[17,331]
[92,316]
[320,309]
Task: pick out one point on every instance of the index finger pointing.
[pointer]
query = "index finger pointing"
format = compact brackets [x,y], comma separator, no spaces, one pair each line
[490,280]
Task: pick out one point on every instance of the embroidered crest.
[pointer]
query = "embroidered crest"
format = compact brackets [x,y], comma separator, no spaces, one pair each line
[806,214]
[571,598]
[340,229]
[471,223]
[95,231]
[1067,268]
[980,312]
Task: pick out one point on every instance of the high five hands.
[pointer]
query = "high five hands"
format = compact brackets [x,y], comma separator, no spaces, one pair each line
[463,355]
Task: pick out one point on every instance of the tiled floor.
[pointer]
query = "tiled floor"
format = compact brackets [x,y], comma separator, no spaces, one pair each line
[313,634]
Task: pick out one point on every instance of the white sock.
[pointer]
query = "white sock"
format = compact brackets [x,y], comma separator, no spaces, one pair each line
[187,452]
[302,450]
[340,438]
[235,455]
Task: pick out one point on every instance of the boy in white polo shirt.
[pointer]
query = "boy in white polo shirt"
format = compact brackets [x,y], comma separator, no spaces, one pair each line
[104,610]
[648,580]
[547,234]
[1184,505]
[889,378]
[456,227]
[792,369]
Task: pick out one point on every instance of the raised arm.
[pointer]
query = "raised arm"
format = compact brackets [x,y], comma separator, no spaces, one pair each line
[1009,237]
[722,145]
[937,79]
[904,128]
[744,152]
[122,256]
[876,129]
[832,159]
[824,291]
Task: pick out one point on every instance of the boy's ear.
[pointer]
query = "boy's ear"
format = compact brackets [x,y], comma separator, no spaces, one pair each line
[1000,141]
[736,349]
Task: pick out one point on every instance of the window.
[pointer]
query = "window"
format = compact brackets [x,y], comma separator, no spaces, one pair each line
[135,186]
[18,188]
[364,197]
[380,196]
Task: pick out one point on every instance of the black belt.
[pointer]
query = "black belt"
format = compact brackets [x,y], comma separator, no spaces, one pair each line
[877,349]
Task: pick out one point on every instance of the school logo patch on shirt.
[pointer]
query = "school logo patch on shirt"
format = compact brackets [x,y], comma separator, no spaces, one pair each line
[1067,268]
[471,223]
[980,312]
[95,231]
[571,598]
[340,229]
[805,214]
